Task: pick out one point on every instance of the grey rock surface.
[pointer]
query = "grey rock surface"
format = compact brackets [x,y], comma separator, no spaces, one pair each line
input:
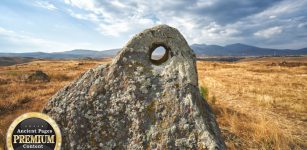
[136,102]
[38,76]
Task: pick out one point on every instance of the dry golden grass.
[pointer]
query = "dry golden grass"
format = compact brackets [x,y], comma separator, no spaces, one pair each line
[258,105]
[18,97]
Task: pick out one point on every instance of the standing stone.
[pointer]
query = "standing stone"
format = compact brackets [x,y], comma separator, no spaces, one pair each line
[136,102]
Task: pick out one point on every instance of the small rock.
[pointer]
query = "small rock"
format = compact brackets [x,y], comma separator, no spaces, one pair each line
[38,76]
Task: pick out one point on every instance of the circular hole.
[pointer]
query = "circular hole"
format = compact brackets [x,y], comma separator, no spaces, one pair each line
[158,55]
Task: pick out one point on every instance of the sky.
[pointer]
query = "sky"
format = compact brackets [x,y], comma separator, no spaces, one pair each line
[61,25]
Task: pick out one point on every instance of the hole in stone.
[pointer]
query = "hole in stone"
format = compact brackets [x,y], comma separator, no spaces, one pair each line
[158,55]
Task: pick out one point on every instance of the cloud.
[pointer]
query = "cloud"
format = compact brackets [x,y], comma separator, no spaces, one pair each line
[273,23]
[211,21]
[230,11]
[112,18]
[45,5]
[268,33]
[115,29]
[87,16]
[15,37]
[19,41]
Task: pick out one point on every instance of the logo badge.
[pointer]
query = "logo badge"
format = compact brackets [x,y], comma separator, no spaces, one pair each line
[33,131]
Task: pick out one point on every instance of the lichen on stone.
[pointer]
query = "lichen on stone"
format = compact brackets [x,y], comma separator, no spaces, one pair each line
[134,103]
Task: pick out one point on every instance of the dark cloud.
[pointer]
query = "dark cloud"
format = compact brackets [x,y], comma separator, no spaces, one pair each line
[268,23]
[230,11]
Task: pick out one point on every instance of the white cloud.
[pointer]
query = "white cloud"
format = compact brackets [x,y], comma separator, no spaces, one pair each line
[119,18]
[114,19]
[272,17]
[301,25]
[88,16]
[119,27]
[45,5]
[268,33]
[89,5]
[30,43]
[283,8]
[200,21]
[5,31]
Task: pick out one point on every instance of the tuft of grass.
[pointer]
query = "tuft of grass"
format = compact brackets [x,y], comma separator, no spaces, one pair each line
[3,81]
[60,77]
[24,100]
[265,100]
[262,133]
[213,99]
[204,92]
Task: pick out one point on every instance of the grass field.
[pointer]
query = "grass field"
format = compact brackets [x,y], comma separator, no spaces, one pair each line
[260,103]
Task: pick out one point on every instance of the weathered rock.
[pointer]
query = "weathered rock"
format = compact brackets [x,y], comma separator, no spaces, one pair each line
[38,76]
[138,103]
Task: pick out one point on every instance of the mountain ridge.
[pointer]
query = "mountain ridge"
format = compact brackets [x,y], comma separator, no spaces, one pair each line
[236,49]
[76,53]
[239,49]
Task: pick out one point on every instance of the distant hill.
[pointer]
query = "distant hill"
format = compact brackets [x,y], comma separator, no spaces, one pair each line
[7,61]
[78,53]
[239,49]
[200,50]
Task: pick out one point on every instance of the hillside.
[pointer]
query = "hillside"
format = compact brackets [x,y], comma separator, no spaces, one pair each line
[7,61]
